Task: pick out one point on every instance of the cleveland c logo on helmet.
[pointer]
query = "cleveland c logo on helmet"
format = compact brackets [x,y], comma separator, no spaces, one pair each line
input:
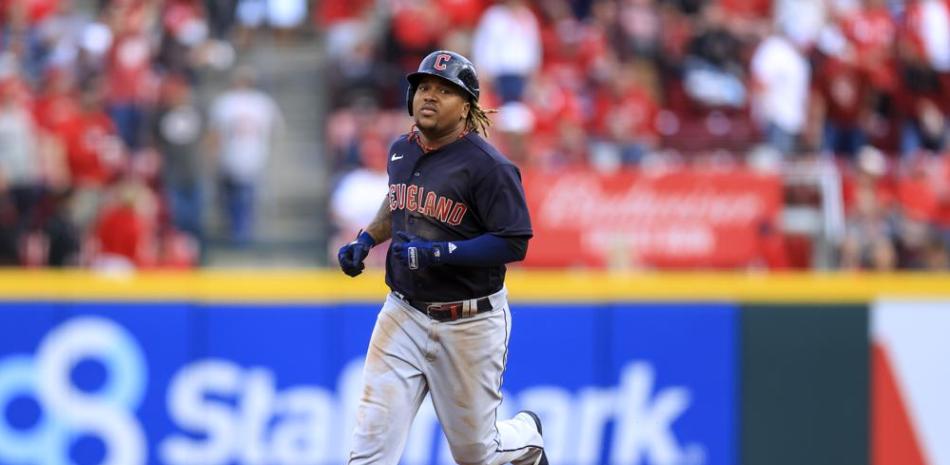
[447,65]
[441,60]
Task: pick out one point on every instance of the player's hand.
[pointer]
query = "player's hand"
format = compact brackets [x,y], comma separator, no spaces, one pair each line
[417,253]
[351,255]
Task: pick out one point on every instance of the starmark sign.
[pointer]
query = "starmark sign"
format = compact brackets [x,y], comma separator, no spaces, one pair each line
[223,412]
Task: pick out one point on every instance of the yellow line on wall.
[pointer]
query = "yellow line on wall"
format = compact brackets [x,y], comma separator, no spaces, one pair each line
[551,286]
[778,287]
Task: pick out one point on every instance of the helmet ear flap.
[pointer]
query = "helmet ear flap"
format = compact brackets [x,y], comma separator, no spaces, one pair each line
[410,94]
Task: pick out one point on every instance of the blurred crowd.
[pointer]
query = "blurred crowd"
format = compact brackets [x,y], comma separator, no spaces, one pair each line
[862,85]
[105,150]
[109,155]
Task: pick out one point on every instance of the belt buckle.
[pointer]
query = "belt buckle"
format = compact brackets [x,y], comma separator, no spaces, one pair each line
[454,309]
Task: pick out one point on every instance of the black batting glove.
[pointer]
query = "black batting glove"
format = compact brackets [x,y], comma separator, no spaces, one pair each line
[351,255]
[417,253]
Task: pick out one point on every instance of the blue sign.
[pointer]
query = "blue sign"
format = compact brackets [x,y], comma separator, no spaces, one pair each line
[182,383]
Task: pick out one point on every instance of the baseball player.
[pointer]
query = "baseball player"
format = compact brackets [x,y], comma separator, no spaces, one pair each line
[456,214]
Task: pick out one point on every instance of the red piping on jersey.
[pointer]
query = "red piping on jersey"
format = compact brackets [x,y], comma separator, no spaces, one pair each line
[416,136]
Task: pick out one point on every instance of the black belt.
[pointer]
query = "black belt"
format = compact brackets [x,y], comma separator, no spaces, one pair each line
[451,311]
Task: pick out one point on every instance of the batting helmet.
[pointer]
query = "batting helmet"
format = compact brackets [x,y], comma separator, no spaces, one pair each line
[449,66]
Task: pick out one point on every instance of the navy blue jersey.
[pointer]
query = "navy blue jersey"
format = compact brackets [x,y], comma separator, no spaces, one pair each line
[456,192]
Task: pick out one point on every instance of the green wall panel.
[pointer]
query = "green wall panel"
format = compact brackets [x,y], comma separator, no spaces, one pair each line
[804,387]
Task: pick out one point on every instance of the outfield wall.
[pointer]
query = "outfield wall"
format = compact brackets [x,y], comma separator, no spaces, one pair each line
[690,369]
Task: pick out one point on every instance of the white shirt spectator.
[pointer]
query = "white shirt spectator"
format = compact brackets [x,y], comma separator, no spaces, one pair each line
[18,148]
[507,40]
[286,14]
[353,204]
[803,20]
[355,201]
[936,33]
[781,75]
[245,120]
[63,33]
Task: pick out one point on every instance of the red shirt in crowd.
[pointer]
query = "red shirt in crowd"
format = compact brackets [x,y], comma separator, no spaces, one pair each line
[569,43]
[329,12]
[180,14]
[872,32]
[924,192]
[93,150]
[54,112]
[34,10]
[418,30]
[122,231]
[885,190]
[625,117]
[942,213]
[129,73]
[462,13]
[550,103]
[918,200]
[417,26]
[759,9]
[18,89]
[844,89]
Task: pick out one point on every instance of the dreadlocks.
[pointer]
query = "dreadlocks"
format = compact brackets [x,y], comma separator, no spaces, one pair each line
[478,119]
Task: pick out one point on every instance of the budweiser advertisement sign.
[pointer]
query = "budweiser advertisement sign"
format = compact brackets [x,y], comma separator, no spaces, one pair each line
[677,219]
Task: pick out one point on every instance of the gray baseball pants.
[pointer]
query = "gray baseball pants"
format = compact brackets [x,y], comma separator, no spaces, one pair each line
[460,365]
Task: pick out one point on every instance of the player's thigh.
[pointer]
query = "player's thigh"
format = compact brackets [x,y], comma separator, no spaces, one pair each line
[393,383]
[398,335]
[388,402]
[465,383]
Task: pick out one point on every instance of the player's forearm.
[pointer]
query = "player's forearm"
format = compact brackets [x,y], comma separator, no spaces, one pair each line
[381,228]
[485,250]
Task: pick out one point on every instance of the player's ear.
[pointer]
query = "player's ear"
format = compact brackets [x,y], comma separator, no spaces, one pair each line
[466,110]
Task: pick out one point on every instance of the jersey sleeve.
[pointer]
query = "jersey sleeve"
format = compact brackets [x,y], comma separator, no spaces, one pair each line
[500,202]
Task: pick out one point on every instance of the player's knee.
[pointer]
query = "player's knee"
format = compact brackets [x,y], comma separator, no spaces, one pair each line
[372,420]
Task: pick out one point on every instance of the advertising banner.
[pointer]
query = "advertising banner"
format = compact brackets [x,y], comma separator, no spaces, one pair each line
[179,383]
[681,218]
[910,382]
